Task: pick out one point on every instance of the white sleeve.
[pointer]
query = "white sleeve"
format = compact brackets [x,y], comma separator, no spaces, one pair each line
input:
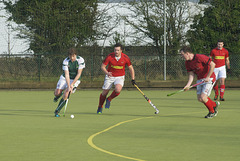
[81,63]
[65,64]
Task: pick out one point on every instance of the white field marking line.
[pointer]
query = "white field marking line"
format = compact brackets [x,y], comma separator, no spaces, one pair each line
[90,139]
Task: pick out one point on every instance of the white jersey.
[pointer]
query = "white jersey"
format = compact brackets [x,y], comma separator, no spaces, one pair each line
[73,67]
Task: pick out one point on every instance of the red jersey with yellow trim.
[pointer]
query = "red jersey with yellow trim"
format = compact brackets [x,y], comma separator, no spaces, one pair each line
[200,65]
[219,56]
[117,67]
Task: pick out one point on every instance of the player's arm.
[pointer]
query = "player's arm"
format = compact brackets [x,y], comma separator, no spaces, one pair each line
[132,72]
[103,68]
[211,55]
[212,66]
[67,77]
[190,80]
[228,63]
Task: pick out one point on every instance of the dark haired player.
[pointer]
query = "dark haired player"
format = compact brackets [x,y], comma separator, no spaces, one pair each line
[203,67]
[220,56]
[70,79]
[114,75]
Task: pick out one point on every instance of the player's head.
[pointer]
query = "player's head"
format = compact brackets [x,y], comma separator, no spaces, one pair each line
[118,45]
[186,49]
[220,44]
[72,54]
[185,52]
[118,49]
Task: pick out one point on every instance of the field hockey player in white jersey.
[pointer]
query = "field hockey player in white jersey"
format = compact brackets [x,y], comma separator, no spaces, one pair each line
[70,79]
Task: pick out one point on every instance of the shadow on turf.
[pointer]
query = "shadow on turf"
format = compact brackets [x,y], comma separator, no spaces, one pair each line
[185,115]
[161,98]
[199,114]
[26,112]
[114,114]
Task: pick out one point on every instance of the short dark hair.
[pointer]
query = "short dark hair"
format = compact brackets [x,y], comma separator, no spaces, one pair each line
[220,40]
[118,45]
[72,51]
[186,49]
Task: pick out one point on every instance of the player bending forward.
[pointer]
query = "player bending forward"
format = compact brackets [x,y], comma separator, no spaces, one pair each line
[115,75]
[70,79]
[203,67]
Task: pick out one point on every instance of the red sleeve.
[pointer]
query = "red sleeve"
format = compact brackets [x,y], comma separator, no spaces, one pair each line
[128,61]
[106,60]
[187,66]
[212,53]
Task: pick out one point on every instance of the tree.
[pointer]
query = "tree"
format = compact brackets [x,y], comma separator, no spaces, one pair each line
[148,19]
[54,25]
[105,24]
[219,21]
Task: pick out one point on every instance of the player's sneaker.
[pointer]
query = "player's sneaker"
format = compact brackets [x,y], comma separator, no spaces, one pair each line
[216,97]
[209,115]
[99,111]
[216,108]
[222,99]
[107,105]
[56,113]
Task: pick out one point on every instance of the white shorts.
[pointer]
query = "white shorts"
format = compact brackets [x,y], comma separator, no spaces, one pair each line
[62,83]
[205,88]
[220,72]
[109,81]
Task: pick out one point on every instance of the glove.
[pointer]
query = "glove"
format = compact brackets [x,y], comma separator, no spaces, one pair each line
[133,82]
[228,71]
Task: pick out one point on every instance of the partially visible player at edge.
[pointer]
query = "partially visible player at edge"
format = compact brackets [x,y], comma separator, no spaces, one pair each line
[220,55]
[115,75]
[70,79]
[203,67]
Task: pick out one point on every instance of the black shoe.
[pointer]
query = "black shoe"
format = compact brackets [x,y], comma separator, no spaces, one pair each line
[216,97]
[209,115]
[216,108]
[222,99]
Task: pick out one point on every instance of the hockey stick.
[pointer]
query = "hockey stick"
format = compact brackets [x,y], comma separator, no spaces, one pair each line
[65,108]
[184,89]
[149,101]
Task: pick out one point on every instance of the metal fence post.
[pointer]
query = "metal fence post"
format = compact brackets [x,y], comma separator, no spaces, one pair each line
[39,67]
[92,67]
[145,66]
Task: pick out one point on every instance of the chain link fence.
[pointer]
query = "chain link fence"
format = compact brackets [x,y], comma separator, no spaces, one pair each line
[42,68]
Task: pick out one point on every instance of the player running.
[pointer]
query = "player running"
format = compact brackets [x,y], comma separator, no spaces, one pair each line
[220,56]
[70,79]
[115,75]
[203,67]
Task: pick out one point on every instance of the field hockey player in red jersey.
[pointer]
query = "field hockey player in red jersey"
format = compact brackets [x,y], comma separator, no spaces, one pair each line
[202,66]
[114,75]
[220,57]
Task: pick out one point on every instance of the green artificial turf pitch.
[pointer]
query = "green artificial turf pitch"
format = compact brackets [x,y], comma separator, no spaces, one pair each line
[129,130]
